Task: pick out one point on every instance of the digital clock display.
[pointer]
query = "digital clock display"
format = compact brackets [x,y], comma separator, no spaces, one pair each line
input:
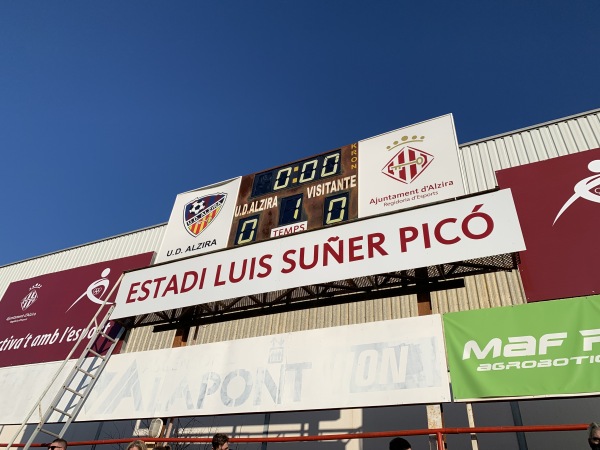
[306,195]
[307,171]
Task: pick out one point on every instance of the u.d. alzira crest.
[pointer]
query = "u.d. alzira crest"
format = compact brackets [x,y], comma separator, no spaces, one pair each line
[200,212]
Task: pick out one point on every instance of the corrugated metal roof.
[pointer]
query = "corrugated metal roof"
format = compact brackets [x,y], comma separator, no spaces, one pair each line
[143,338]
[143,241]
[480,160]
[309,319]
[482,291]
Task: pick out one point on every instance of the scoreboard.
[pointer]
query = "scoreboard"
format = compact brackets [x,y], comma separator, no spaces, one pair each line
[305,195]
[396,170]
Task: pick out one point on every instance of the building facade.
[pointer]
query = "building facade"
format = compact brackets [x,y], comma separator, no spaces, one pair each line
[480,160]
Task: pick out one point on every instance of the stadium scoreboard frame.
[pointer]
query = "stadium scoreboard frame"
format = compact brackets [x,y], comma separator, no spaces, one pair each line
[305,195]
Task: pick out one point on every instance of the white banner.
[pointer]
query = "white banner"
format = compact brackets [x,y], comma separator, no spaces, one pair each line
[381,363]
[475,227]
[200,221]
[22,387]
[408,167]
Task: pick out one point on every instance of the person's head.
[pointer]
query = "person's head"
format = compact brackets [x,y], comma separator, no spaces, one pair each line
[220,441]
[594,436]
[399,444]
[137,445]
[58,444]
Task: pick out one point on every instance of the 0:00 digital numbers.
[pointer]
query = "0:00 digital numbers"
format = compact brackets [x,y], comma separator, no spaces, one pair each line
[302,172]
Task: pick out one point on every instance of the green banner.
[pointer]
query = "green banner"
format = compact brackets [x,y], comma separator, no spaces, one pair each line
[540,349]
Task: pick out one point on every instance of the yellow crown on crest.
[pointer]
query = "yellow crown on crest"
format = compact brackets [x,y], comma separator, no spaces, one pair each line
[405,140]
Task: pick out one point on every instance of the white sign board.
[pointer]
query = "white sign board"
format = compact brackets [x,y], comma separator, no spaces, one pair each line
[408,167]
[200,221]
[380,363]
[22,387]
[475,227]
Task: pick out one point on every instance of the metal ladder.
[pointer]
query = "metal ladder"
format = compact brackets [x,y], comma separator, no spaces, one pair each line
[80,381]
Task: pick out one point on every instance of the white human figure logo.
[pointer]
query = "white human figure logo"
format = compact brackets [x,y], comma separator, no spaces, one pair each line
[588,188]
[96,289]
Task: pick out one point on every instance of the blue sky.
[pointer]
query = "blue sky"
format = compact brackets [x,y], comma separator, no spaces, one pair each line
[109,109]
